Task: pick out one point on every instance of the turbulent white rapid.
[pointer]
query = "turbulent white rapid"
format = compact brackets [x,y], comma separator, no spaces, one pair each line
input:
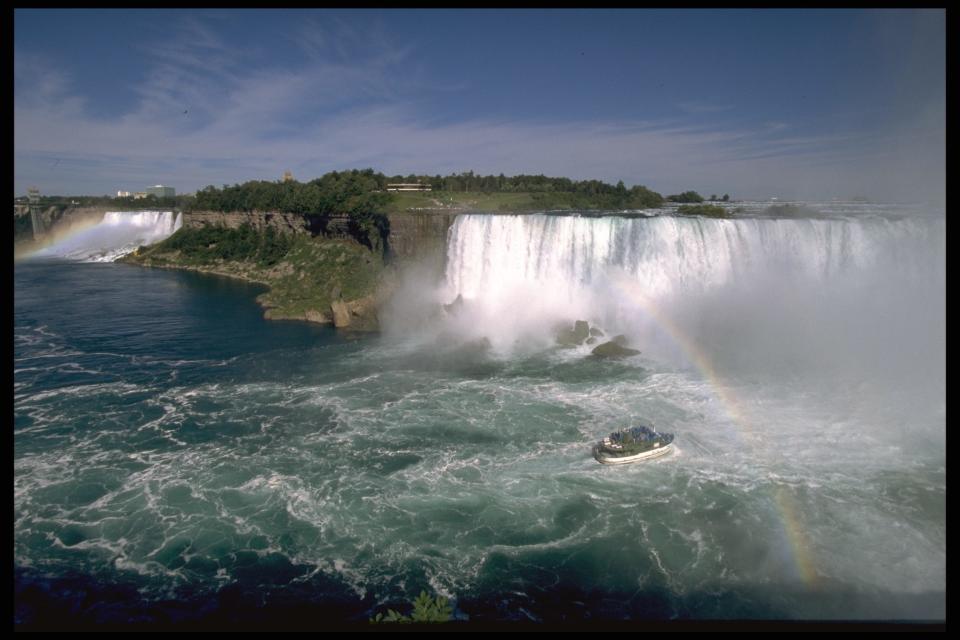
[806,355]
[188,458]
[119,233]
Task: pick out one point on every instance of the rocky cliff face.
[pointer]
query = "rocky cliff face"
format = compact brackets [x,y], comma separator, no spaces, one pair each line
[413,236]
[52,218]
[285,223]
[420,237]
[328,277]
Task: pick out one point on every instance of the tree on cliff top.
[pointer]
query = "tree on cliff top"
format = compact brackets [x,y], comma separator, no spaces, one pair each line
[686,196]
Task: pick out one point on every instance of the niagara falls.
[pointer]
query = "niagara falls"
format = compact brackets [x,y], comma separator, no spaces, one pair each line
[600,319]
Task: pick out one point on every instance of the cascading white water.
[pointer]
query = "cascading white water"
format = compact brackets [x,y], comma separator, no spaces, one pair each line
[119,233]
[671,256]
[768,284]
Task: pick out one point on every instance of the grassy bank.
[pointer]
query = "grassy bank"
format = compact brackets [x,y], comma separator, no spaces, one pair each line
[306,276]
[509,202]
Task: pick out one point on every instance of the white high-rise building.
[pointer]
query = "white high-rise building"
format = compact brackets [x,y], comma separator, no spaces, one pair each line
[160,191]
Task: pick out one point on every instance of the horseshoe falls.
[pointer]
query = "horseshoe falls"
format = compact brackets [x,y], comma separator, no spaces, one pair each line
[805,290]
[179,459]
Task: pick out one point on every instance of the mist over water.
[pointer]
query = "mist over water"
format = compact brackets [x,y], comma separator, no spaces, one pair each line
[119,233]
[862,292]
[185,451]
[804,348]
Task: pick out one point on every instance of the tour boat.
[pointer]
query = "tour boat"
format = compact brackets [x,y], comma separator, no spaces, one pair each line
[632,445]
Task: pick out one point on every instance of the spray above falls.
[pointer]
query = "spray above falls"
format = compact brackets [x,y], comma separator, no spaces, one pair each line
[119,233]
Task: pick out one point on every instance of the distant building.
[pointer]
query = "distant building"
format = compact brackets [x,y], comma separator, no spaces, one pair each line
[139,195]
[33,195]
[287,176]
[408,186]
[161,191]
[123,194]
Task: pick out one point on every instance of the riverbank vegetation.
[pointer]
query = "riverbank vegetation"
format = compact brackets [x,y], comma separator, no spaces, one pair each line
[425,610]
[210,244]
[306,275]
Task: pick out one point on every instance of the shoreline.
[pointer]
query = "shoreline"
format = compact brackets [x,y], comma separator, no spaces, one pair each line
[310,285]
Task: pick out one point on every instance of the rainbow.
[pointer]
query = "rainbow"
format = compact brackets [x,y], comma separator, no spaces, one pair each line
[63,230]
[791,526]
[104,236]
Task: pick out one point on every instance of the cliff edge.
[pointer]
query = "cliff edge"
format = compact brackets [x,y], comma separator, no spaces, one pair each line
[315,269]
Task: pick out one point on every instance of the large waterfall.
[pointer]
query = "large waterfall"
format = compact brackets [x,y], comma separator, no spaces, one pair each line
[670,255]
[815,290]
[119,233]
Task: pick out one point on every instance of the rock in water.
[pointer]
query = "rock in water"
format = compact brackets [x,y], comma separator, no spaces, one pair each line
[613,350]
[313,315]
[455,306]
[341,314]
[363,313]
[572,338]
[620,340]
[581,329]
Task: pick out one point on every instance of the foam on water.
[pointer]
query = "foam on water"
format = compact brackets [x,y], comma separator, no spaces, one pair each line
[390,465]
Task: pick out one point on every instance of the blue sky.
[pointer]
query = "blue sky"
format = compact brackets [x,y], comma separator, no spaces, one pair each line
[754,103]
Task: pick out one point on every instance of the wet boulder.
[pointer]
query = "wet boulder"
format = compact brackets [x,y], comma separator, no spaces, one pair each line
[613,349]
[574,337]
[454,307]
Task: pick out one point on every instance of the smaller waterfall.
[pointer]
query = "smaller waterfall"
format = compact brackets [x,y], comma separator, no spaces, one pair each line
[119,233]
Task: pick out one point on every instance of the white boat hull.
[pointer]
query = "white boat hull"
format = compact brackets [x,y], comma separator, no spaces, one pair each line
[646,455]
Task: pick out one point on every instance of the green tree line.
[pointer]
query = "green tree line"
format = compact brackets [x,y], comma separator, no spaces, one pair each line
[469,182]
[355,193]
[686,196]
[360,193]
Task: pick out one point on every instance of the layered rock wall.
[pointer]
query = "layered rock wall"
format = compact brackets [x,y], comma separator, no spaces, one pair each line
[420,237]
[415,238]
[332,226]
